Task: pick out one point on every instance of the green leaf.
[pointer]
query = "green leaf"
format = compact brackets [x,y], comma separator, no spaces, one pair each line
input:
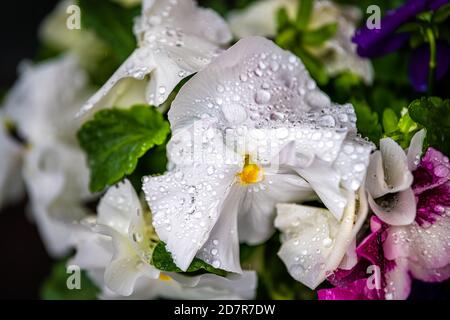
[55,286]
[112,23]
[115,139]
[314,66]
[318,36]
[442,14]
[282,18]
[390,120]
[162,260]
[305,8]
[286,38]
[434,114]
[367,121]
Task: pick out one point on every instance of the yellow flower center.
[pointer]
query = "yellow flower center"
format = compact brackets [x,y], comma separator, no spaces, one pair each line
[164,277]
[251,173]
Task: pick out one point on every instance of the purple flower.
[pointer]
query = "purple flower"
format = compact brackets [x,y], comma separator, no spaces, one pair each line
[378,42]
[420,250]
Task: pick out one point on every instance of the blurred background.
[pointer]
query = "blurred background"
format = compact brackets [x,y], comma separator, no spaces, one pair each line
[24,262]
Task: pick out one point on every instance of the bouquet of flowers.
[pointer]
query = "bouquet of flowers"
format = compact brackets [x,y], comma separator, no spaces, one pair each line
[276,149]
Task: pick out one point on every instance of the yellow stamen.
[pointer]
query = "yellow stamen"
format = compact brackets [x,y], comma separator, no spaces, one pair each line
[251,173]
[164,277]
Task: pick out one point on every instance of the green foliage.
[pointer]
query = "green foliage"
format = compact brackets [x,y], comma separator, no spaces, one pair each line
[433,113]
[295,36]
[55,286]
[367,121]
[112,23]
[162,260]
[115,139]
[274,280]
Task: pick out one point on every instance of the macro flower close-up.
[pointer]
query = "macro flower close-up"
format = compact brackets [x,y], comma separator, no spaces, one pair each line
[226,150]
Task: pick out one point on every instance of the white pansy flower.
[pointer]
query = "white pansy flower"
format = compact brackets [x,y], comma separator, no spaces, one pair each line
[175,39]
[389,180]
[314,242]
[11,185]
[115,249]
[43,104]
[338,54]
[249,131]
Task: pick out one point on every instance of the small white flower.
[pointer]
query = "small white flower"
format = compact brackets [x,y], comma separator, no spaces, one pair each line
[338,54]
[314,242]
[11,185]
[115,249]
[175,39]
[43,104]
[249,131]
[389,180]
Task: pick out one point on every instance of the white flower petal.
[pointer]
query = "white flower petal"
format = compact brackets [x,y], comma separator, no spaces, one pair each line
[325,181]
[395,165]
[415,149]
[313,241]
[93,250]
[258,208]
[186,205]
[118,207]
[352,163]
[258,80]
[248,22]
[45,100]
[126,266]
[175,39]
[221,250]
[396,209]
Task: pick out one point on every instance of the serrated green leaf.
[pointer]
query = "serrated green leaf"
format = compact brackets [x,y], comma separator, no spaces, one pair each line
[442,14]
[162,260]
[55,286]
[112,23]
[433,113]
[115,139]
[318,36]
[390,120]
[305,8]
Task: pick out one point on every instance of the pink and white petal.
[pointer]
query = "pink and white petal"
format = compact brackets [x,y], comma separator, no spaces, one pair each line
[415,149]
[257,213]
[396,209]
[430,275]
[118,207]
[375,181]
[395,165]
[186,204]
[221,250]
[398,281]
[430,246]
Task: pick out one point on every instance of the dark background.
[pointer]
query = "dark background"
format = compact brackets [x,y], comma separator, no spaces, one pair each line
[23,260]
[24,264]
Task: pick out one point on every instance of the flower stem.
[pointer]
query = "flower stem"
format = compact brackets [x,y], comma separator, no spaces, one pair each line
[432,64]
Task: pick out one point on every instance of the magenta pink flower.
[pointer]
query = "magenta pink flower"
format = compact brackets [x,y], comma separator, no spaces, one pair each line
[420,250]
